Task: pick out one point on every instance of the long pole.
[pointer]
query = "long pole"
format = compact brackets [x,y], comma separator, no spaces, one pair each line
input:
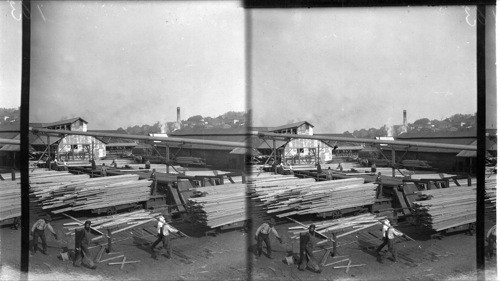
[170,140]
[374,141]
[275,157]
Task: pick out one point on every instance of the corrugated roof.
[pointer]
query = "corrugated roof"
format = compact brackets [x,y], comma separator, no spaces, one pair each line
[62,122]
[439,134]
[291,126]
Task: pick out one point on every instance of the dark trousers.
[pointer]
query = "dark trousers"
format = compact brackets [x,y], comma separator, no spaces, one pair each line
[39,233]
[260,238]
[166,244]
[83,254]
[492,244]
[307,257]
[390,246]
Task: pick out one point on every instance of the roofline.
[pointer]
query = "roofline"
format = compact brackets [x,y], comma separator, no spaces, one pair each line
[163,139]
[389,142]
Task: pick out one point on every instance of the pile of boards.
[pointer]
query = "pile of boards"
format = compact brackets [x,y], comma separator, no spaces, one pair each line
[61,191]
[490,187]
[446,207]
[286,196]
[342,226]
[118,223]
[220,205]
[10,199]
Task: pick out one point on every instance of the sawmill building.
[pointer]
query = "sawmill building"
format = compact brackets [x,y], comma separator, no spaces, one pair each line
[446,160]
[69,147]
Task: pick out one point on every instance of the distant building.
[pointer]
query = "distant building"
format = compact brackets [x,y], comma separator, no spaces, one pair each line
[70,147]
[443,159]
[300,151]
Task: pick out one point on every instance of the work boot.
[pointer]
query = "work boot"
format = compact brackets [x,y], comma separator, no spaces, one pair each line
[93,267]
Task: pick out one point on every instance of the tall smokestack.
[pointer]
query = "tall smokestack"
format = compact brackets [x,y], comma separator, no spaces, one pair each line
[404,118]
[178,115]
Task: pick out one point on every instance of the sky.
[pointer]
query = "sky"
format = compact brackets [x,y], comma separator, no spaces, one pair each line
[345,69]
[124,63]
[10,54]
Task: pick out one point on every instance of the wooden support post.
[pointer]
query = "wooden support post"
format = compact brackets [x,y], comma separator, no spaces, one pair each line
[275,165]
[167,157]
[393,162]
[109,241]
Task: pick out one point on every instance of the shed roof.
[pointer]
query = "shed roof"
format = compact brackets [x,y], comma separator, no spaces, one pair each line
[438,134]
[62,122]
[291,126]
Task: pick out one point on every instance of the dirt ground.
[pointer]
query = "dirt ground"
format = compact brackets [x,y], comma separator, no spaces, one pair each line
[227,256]
[199,257]
[224,257]
[456,259]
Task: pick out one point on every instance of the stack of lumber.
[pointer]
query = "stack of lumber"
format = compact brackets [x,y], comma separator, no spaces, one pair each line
[490,187]
[416,164]
[345,225]
[490,203]
[221,205]
[446,207]
[431,176]
[10,199]
[61,191]
[305,196]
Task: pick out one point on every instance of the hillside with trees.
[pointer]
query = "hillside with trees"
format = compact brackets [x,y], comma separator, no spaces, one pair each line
[230,119]
[456,122]
[10,115]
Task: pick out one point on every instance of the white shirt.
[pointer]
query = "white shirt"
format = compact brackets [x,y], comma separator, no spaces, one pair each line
[391,232]
[265,228]
[166,228]
[41,225]
[384,230]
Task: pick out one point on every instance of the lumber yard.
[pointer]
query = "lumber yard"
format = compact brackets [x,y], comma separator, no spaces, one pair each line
[332,217]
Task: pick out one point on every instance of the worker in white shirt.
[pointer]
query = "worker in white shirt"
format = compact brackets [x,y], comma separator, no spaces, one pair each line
[388,233]
[38,230]
[164,230]
[262,235]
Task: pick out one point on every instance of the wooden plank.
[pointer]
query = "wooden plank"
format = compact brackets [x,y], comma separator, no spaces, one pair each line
[176,198]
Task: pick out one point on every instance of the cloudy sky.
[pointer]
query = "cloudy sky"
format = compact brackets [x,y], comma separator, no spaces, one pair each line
[352,68]
[117,64]
[10,54]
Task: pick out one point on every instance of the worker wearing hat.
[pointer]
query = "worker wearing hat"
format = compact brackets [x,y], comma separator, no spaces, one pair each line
[262,235]
[163,234]
[306,250]
[388,233]
[82,242]
[38,230]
